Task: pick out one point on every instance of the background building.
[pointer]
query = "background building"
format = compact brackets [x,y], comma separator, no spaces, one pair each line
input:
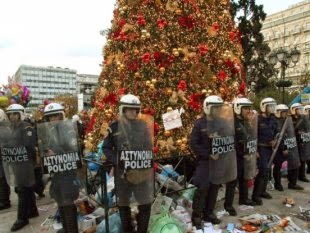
[85,86]
[289,29]
[46,82]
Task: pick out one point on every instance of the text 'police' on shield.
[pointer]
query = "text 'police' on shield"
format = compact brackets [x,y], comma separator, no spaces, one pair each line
[137,159]
[61,162]
[222,145]
[14,154]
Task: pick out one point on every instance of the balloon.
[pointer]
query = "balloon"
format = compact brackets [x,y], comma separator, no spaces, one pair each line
[26,93]
[93,166]
[4,102]
[13,101]
[15,90]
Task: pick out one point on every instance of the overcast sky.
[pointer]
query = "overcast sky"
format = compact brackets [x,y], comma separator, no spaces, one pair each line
[62,33]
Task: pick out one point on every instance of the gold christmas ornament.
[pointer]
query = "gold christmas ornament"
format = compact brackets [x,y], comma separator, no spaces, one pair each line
[178,11]
[137,74]
[153,80]
[167,133]
[169,109]
[169,91]
[179,142]
[204,91]
[148,83]
[152,86]
[184,140]
[162,69]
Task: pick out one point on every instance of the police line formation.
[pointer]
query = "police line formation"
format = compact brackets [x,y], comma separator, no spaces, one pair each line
[231,143]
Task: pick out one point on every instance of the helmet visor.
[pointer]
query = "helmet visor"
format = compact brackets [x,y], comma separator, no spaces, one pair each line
[270,108]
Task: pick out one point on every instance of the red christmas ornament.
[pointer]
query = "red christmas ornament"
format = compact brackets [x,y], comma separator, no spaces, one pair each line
[222,75]
[182,85]
[146,58]
[186,21]
[203,49]
[161,24]
[141,21]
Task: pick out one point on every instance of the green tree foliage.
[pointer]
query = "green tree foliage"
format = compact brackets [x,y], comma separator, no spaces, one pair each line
[249,18]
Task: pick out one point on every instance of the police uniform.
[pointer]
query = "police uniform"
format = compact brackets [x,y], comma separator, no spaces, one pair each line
[139,140]
[23,132]
[205,196]
[267,130]
[300,125]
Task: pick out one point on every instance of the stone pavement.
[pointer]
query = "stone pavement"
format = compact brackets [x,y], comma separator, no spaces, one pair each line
[47,207]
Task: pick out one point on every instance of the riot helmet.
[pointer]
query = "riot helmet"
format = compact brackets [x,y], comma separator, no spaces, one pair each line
[241,102]
[294,109]
[3,116]
[268,105]
[16,108]
[129,101]
[279,109]
[54,109]
[211,101]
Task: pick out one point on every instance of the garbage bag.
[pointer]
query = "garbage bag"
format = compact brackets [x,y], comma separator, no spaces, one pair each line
[115,225]
[164,223]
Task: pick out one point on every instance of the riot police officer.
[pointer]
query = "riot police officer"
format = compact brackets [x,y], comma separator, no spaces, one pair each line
[64,187]
[19,155]
[212,141]
[307,116]
[266,133]
[4,187]
[301,127]
[281,111]
[134,181]
[246,145]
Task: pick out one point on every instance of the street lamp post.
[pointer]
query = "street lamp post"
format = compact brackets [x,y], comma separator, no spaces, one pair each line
[285,58]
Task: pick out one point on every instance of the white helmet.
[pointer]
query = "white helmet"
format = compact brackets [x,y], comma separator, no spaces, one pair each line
[307,109]
[16,108]
[241,102]
[3,116]
[265,102]
[53,108]
[211,101]
[295,107]
[280,108]
[75,118]
[129,101]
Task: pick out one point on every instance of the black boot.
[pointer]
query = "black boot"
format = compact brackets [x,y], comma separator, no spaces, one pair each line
[308,166]
[199,201]
[277,178]
[229,198]
[208,214]
[292,176]
[244,193]
[4,194]
[32,207]
[70,219]
[264,193]
[22,215]
[125,214]
[143,218]
[257,191]
[62,219]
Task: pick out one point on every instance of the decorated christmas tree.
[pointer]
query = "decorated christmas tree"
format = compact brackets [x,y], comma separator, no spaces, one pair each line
[171,54]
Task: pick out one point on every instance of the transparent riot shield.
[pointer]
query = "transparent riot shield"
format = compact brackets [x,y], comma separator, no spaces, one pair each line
[17,152]
[304,146]
[250,146]
[290,144]
[61,158]
[134,177]
[221,133]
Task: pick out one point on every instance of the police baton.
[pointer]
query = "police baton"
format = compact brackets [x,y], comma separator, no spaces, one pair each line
[279,139]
